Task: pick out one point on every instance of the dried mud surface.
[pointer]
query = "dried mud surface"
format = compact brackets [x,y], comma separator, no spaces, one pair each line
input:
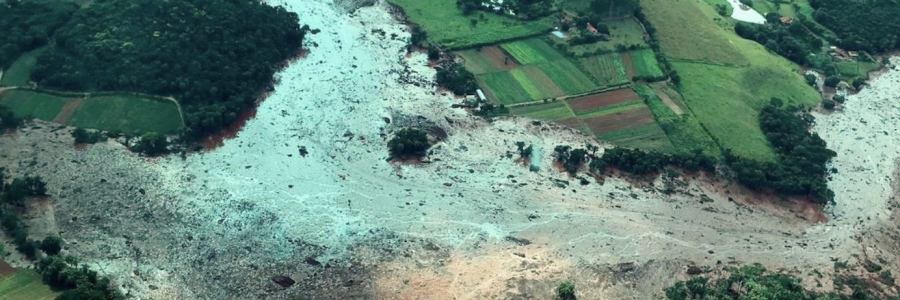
[470,223]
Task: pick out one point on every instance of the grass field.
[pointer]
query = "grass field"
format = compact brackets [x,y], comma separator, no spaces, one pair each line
[852,69]
[25,285]
[607,69]
[610,109]
[645,63]
[121,113]
[504,88]
[531,51]
[127,114]
[684,131]
[645,137]
[687,32]
[20,71]
[568,77]
[625,32]
[552,111]
[446,25]
[31,104]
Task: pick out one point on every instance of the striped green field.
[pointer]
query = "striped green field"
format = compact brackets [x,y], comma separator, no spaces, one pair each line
[568,77]
[504,87]
[553,111]
[608,69]
[25,285]
[645,63]
[531,51]
[32,104]
[685,132]
[610,109]
[645,137]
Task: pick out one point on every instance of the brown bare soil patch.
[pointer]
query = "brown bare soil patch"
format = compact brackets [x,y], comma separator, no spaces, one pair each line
[603,99]
[6,269]
[218,139]
[66,113]
[629,65]
[498,58]
[619,121]
[668,101]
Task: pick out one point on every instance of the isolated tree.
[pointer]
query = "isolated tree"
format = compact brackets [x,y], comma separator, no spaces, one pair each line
[832,81]
[409,143]
[566,291]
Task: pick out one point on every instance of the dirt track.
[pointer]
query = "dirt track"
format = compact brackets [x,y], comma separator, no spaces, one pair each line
[346,224]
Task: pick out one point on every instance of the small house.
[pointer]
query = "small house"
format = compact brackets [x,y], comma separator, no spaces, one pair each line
[853,53]
[591,28]
[787,20]
[481,96]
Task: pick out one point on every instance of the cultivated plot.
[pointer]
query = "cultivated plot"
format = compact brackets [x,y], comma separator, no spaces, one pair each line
[568,77]
[645,63]
[487,60]
[24,285]
[552,111]
[531,51]
[607,69]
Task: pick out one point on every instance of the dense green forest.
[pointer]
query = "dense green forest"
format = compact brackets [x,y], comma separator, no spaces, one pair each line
[26,26]
[869,25]
[754,282]
[794,41]
[215,56]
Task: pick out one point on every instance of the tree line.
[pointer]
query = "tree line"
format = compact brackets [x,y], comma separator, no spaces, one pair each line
[60,272]
[664,63]
[215,56]
[800,168]
[28,25]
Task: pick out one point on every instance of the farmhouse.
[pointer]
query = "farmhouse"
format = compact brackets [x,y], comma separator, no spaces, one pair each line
[787,20]
[591,28]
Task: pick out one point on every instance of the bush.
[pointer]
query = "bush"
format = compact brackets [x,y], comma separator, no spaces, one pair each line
[839,98]
[828,104]
[152,144]
[832,81]
[566,291]
[51,245]
[86,137]
[810,79]
[409,143]
[457,79]
[8,120]
[859,83]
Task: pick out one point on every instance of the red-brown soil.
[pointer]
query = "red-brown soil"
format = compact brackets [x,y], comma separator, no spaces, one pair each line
[498,58]
[218,140]
[603,99]
[619,121]
[6,269]
[66,113]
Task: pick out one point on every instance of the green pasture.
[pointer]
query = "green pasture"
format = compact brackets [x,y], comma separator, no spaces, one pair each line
[127,114]
[446,24]
[531,51]
[852,69]
[684,132]
[552,111]
[32,104]
[477,63]
[19,72]
[645,63]
[687,31]
[607,69]
[25,285]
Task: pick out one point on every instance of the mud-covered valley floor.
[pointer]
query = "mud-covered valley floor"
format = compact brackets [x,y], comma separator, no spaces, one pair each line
[471,223]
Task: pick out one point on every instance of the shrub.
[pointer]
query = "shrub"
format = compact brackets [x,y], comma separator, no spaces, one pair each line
[409,143]
[832,81]
[152,144]
[457,79]
[8,120]
[810,79]
[828,104]
[86,137]
[51,245]
[566,291]
[858,83]
[839,98]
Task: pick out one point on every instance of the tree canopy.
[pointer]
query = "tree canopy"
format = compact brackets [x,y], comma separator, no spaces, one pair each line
[28,25]
[215,56]
[869,25]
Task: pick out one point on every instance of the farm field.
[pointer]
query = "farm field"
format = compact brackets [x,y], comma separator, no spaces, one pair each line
[24,285]
[607,69]
[568,77]
[31,104]
[687,32]
[624,32]
[487,60]
[684,132]
[852,69]
[531,51]
[20,71]
[647,137]
[553,111]
[503,88]
[645,63]
[447,26]
[123,113]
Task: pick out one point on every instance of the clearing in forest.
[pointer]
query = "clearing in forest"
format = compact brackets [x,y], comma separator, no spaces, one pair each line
[19,72]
